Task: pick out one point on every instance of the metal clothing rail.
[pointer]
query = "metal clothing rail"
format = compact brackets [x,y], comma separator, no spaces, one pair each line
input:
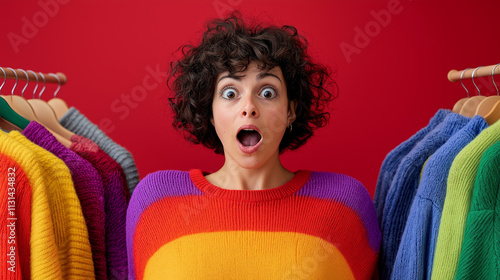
[49,78]
[483,71]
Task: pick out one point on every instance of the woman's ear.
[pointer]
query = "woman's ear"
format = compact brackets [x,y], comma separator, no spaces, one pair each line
[292,106]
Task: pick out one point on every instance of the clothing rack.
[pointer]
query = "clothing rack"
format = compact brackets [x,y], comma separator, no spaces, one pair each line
[482,71]
[21,75]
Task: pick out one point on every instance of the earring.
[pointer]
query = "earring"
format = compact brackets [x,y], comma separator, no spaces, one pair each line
[290,126]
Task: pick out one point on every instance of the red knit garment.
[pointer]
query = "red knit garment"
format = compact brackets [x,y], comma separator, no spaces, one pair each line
[15,216]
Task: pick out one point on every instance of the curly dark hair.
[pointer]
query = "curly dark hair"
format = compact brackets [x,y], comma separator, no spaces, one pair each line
[231,45]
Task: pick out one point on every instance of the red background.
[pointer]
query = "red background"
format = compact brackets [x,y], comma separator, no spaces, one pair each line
[391,83]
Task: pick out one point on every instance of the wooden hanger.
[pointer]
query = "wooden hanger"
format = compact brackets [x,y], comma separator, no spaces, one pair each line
[486,106]
[470,106]
[46,114]
[23,108]
[460,103]
[59,106]
[10,119]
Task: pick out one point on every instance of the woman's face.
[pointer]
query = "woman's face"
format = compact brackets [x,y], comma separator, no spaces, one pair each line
[250,114]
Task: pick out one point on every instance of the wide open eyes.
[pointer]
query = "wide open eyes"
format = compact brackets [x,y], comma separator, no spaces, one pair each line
[267,92]
[228,93]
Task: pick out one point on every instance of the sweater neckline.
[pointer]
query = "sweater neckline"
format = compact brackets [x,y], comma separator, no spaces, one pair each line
[292,186]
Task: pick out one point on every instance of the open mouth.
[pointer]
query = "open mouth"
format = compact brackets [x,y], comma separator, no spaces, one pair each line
[249,137]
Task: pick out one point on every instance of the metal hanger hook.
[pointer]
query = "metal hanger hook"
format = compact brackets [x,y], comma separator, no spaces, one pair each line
[472,77]
[27,81]
[493,80]
[58,82]
[4,79]
[44,85]
[15,73]
[462,82]
[36,77]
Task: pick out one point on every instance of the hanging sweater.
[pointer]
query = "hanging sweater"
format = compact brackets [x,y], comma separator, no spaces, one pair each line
[394,157]
[316,226]
[75,121]
[460,183]
[115,201]
[88,187]
[480,258]
[44,261]
[15,212]
[416,250]
[404,187]
[71,234]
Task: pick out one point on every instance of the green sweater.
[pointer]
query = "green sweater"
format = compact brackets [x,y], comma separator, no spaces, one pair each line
[457,202]
[480,256]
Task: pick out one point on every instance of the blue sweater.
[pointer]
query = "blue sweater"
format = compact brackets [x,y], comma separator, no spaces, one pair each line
[416,250]
[394,157]
[404,185]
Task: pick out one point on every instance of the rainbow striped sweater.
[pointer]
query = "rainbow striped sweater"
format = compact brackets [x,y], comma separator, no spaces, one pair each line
[319,225]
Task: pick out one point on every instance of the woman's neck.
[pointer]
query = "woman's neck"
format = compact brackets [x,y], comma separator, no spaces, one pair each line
[232,176]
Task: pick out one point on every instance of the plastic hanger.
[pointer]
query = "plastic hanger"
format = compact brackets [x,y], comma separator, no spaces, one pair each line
[46,115]
[460,103]
[489,102]
[470,106]
[58,105]
[9,118]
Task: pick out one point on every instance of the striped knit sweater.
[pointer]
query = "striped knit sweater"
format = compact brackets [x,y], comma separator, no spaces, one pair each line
[316,226]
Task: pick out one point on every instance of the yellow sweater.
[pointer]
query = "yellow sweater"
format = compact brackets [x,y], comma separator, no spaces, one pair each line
[44,260]
[71,234]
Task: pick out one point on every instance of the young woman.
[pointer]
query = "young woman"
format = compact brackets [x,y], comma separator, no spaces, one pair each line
[250,93]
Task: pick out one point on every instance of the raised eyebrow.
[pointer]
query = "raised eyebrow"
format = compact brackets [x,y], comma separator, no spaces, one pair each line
[267,74]
[231,76]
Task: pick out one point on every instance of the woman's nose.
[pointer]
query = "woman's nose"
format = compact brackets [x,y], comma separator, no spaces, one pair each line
[249,108]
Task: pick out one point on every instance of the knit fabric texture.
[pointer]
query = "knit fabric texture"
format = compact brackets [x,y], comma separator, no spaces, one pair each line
[460,183]
[394,157]
[15,211]
[76,122]
[115,202]
[418,242]
[44,261]
[404,186]
[88,187]
[70,229]
[317,226]
[480,255]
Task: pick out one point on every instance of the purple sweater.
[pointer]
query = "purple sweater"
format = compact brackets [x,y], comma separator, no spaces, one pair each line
[88,187]
[116,198]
